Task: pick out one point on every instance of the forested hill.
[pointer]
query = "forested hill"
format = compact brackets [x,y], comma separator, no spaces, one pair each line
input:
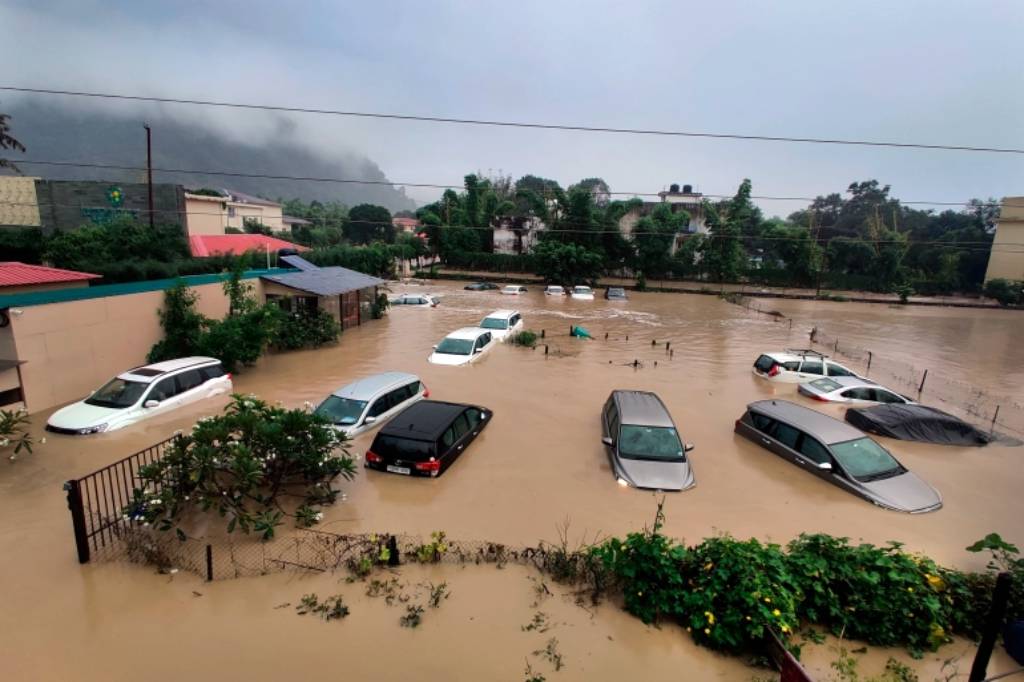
[51,133]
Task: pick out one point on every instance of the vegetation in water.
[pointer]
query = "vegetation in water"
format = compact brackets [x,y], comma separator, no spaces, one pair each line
[525,338]
[551,654]
[14,433]
[413,616]
[243,465]
[331,608]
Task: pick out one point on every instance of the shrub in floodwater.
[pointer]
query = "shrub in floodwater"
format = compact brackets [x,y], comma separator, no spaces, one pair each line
[14,432]
[736,592]
[413,616]
[331,608]
[239,464]
[647,566]
[431,552]
[882,595]
[524,338]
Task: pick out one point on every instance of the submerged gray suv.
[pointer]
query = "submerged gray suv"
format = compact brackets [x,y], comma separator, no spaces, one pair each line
[643,444]
[837,453]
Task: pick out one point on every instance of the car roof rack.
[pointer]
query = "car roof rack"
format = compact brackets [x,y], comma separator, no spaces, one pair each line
[806,351]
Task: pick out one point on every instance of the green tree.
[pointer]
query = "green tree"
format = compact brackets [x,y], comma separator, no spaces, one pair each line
[567,264]
[7,141]
[794,249]
[723,256]
[368,223]
[653,239]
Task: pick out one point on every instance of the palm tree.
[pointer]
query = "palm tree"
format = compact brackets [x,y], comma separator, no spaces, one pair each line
[8,142]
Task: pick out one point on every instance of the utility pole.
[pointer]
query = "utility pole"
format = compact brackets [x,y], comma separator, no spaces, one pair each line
[149,170]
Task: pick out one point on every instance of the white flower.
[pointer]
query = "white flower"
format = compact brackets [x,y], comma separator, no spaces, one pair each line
[319,515]
[4,443]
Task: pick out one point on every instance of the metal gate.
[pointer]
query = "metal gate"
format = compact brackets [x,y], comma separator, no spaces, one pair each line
[97,500]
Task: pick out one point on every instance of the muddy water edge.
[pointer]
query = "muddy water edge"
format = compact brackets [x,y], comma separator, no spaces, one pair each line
[538,465]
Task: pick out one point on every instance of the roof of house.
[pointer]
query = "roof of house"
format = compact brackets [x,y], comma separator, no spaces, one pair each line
[203,245]
[15,274]
[292,220]
[330,281]
[410,222]
[244,198]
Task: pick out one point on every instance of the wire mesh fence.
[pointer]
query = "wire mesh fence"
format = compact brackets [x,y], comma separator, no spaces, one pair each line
[313,550]
[992,411]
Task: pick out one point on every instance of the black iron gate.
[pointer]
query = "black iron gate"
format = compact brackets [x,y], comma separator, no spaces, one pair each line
[97,500]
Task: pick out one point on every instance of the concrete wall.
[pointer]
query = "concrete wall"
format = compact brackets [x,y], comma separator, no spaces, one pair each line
[270,216]
[18,207]
[74,347]
[69,204]
[1007,258]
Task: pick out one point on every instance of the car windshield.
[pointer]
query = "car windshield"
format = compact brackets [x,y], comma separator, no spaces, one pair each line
[865,459]
[450,346]
[118,393]
[341,411]
[494,323]
[649,442]
[581,290]
[825,385]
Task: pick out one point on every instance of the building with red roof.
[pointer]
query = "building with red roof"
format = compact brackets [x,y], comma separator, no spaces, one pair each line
[18,278]
[204,245]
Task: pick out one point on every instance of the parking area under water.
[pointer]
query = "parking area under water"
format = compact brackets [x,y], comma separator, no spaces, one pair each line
[538,465]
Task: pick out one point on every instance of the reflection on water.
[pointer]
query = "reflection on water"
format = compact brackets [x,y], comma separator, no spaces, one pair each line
[539,463]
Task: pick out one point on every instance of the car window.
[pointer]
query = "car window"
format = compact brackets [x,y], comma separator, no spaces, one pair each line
[884,396]
[163,389]
[448,439]
[814,451]
[791,365]
[826,385]
[860,393]
[117,393]
[812,367]
[865,459]
[474,417]
[764,364]
[412,389]
[212,372]
[450,346]
[461,426]
[650,442]
[494,323]
[835,370]
[342,411]
[189,380]
[786,434]
[613,420]
[762,423]
[379,406]
[403,448]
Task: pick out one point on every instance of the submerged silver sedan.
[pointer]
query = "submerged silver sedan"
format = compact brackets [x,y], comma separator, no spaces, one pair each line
[837,453]
[643,444]
[851,390]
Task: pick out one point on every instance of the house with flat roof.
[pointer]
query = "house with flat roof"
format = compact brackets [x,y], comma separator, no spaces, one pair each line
[346,295]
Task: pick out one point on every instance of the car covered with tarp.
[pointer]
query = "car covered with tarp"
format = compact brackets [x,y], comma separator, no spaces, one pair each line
[922,423]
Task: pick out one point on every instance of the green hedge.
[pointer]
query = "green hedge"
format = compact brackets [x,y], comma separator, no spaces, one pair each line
[492,262]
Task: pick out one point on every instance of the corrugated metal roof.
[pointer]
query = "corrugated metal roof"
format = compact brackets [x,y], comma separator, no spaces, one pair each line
[203,245]
[15,274]
[299,262]
[326,281]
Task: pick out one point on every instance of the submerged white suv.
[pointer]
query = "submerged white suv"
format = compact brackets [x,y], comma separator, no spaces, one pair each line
[141,393]
[798,366]
[502,323]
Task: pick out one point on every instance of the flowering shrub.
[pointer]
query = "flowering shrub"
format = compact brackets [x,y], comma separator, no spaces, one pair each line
[882,595]
[736,592]
[647,567]
[242,464]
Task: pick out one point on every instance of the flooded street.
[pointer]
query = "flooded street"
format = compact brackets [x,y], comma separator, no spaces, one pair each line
[539,465]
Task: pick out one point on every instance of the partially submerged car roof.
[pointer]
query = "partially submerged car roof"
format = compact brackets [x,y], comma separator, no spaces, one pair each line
[501,314]
[365,388]
[467,333]
[641,408]
[817,424]
[425,420]
[850,382]
[148,373]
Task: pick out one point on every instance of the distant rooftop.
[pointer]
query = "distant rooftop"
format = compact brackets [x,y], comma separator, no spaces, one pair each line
[204,245]
[16,274]
[330,281]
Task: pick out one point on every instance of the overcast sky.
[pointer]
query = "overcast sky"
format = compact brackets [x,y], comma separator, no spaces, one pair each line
[930,72]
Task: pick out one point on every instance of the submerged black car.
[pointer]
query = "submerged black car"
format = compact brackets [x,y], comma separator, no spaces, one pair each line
[480,286]
[425,438]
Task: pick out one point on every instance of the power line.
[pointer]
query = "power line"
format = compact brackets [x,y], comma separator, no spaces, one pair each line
[959,246]
[393,183]
[516,124]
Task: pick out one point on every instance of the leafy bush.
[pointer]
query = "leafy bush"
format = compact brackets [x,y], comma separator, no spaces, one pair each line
[881,595]
[22,244]
[1006,291]
[14,432]
[491,262]
[121,240]
[524,338]
[738,591]
[244,464]
[304,330]
[647,566]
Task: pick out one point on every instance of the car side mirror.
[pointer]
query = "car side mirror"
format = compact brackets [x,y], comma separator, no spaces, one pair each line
[150,403]
[687,447]
[478,350]
[825,466]
[369,420]
[434,347]
[608,441]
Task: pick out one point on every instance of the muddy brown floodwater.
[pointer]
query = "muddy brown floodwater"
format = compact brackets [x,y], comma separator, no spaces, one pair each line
[539,464]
